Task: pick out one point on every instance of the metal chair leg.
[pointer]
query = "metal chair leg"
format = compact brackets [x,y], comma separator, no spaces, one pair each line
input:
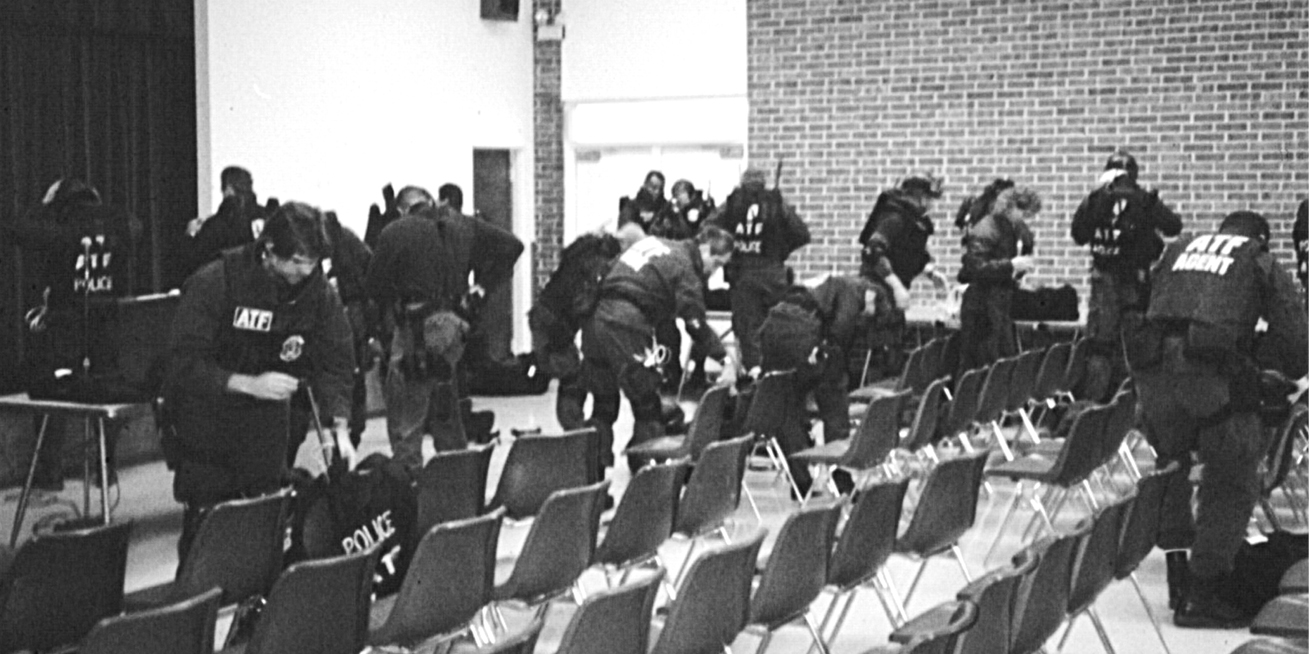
[759,519]
[1004,522]
[1150,612]
[813,631]
[893,598]
[1100,630]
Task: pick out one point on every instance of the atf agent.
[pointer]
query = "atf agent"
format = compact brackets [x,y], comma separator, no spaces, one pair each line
[419,278]
[1197,365]
[767,231]
[251,329]
[1122,223]
[654,280]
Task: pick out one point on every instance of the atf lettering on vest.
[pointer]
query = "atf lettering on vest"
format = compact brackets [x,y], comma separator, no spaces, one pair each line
[749,230]
[1209,254]
[253,320]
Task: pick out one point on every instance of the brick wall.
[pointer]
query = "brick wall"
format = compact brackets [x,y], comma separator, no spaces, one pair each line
[548,114]
[1210,96]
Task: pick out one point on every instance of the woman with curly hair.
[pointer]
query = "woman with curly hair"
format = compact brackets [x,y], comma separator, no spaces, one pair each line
[992,265]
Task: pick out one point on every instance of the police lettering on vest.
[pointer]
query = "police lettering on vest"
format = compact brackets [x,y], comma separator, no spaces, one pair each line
[1210,253]
[749,231]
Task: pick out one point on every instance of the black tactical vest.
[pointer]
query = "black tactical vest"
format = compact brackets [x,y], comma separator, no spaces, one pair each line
[1210,283]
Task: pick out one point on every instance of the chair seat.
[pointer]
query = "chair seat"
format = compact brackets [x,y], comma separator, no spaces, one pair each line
[1048,447]
[149,597]
[928,622]
[883,388]
[664,447]
[1029,467]
[1286,616]
[1296,579]
[826,454]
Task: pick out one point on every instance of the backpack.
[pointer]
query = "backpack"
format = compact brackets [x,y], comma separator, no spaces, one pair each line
[353,510]
[1259,568]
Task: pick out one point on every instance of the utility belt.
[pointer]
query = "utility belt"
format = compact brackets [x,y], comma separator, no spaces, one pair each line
[1147,349]
[437,333]
[622,296]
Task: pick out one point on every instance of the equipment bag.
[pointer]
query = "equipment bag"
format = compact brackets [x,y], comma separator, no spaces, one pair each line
[1045,303]
[345,513]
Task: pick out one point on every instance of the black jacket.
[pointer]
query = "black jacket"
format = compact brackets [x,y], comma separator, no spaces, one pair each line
[1122,223]
[895,237]
[766,228]
[665,280]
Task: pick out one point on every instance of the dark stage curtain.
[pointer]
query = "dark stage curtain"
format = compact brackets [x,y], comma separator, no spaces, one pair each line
[102,90]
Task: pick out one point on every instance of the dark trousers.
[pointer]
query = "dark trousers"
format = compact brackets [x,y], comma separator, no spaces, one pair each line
[616,342]
[1114,308]
[756,287]
[986,330]
[1186,410]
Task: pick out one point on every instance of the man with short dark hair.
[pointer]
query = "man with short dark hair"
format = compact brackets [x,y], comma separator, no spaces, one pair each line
[253,328]
[654,280]
[419,279]
[238,221]
[1199,364]
[1122,223]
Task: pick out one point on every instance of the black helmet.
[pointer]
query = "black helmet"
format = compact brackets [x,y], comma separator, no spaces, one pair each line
[1247,223]
[1121,160]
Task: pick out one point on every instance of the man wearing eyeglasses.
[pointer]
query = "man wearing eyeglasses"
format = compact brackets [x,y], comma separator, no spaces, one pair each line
[253,328]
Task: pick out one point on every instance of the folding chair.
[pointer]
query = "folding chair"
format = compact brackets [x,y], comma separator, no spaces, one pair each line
[875,437]
[185,627]
[539,465]
[795,573]
[613,621]
[861,551]
[712,606]
[452,486]
[712,494]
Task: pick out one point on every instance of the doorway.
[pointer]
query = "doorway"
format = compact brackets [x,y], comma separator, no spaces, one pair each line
[493,202]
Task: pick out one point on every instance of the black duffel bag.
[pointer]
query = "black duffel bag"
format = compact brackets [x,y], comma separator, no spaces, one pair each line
[1045,304]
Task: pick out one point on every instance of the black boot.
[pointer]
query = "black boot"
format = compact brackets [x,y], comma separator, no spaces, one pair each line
[1204,607]
[1178,574]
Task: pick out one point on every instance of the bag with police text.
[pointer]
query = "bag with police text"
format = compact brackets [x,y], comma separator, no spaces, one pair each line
[374,503]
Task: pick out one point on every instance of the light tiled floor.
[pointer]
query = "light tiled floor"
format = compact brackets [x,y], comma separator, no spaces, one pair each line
[144,496]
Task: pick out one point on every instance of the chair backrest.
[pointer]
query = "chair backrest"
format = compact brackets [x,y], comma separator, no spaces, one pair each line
[775,398]
[523,642]
[237,548]
[913,369]
[797,567]
[185,627]
[1081,453]
[707,423]
[713,603]
[714,489]
[931,369]
[963,408]
[538,465]
[1043,597]
[614,621]
[947,506]
[1054,367]
[1281,449]
[922,432]
[878,433]
[1093,563]
[1076,366]
[941,640]
[452,486]
[60,585]
[950,352]
[995,390]
[1121,418]
[559,546]
[868,537]
[319,606]
[1023,379]
[644,518]
[1141,525]
[450,578]
[994,594]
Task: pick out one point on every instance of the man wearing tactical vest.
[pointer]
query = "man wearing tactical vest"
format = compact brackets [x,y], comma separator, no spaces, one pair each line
[1122,223]
[1199,366]
[253,328]
[767,231]
[1300,238]
[652,281]
[419,279]
[810,330]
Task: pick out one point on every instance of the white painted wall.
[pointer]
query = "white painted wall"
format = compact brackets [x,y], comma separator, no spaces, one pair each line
[325,101]
[650,85]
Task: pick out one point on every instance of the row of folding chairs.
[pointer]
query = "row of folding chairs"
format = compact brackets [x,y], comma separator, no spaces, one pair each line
[1052,582]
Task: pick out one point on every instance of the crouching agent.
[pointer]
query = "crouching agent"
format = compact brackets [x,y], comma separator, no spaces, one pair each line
[253,328]
[811,331]
[654,280]
[1197,365]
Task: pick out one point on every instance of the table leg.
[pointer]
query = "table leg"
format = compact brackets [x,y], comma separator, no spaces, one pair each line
[27,485]
[104,473]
